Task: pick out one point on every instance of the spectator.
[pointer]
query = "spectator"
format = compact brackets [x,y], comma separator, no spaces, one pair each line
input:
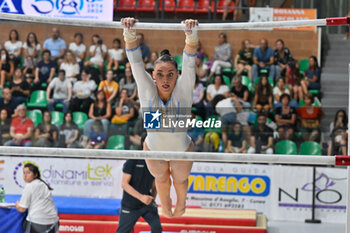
[244,59]
[150,65]
[97,138]
[201,70]
[99,110]
[226,109]
[285,118]
[31,49]
[240,91]
[19,87]
[217,88]
[62,92]
[338,128]
[222,55]
[236,142]
[115,55]
[7,67]
[78,48]
[14,47]
[294,81]
[70,66]
[5,123]
[263,58]
[109,87]
[144,48]
[21,129]
[198,98]
[56,45]
[97,53]
[128,83]
[83,93]
[9,103]
[197,135]
[278,90]
[312,76]
[242,117]
[46,134]
[124,112]
[282,57]
[136,134]
[44,71]
[69,132]
[263,96]
[261,140]
[310,119]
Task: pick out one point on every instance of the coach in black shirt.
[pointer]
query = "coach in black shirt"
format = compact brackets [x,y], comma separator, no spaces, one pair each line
[138,197]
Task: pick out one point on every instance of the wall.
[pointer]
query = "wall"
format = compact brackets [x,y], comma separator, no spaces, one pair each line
[301,44]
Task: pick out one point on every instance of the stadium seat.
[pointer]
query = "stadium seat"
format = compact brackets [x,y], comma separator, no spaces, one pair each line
[35,116]
[126,5]
[80,118]
[57,118]
[178,59]
[303,65]
[227,80]
[37,100]
[169,5]
[146,5]
[116,142]
[286,147]
[310,148]
[248,83]
[221,6]
[185,6]
[203,7]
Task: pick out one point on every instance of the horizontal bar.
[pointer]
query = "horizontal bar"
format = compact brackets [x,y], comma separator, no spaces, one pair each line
[163,26]
[166,155]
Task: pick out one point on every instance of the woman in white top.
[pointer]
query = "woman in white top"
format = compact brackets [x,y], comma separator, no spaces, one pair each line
[217,88]
[31,49]
[14,46]
[165,91]
[71,66]
[115,55]
[97,53]
[78,47]
[37,198]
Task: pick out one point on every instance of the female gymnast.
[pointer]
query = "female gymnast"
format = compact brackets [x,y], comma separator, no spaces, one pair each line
[167,92]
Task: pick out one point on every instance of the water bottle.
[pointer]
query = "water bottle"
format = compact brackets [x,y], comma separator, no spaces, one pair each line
[2,194]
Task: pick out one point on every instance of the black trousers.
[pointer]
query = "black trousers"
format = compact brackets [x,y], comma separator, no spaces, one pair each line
[82,105]
[128,218]
[30,227]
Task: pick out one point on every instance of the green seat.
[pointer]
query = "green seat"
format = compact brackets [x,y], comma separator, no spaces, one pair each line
[227,71]
[80,118]
[205,60]
[178,59]
[315,92]
[226,80]
[264,71]
[286,147]
[59,105]
[116,142]
[199,118]
[310,148]
[35,116]
[303,65]
[212,129]
[37,99]
[248,83]
[302,103]
[57,118]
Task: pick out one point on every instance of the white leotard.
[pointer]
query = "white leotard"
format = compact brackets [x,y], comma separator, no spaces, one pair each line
[179,104]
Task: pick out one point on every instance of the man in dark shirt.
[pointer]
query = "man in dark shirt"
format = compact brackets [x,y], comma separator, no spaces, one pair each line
[9,103]
[44,71]
[240,91]
[144,48]
[261,140]
[138,197]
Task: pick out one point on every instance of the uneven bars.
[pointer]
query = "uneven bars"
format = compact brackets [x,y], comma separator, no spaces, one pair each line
[177,26]
[170,155]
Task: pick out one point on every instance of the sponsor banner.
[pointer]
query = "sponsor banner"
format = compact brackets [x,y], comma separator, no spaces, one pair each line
[77,9]
[69,177]
[264,14]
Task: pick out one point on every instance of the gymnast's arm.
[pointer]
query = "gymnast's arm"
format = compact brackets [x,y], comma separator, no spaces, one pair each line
[126,178]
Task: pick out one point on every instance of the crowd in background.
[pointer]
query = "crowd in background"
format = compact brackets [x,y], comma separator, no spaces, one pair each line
[260,95]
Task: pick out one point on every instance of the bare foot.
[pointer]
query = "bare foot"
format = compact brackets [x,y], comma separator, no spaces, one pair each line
[167,212]
[179,211]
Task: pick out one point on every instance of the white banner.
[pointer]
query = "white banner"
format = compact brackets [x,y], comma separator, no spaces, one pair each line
[261,14]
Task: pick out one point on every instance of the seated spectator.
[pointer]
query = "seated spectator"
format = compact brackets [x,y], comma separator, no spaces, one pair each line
[294,81]
[240,91]
[285,117]
[7,67]
[201,70]
[46,134]
[135,136]
[282,57]
[222,55]
[225,108]
[14,47]
[244,59]
[198,98]
[144,48]
[78,48]
[261,140]
[217,88]
[124,112]
[69,132]
[97,53]
[242,117]
[339,137]
[9,103]
[21,129]
[310,117]
[5,123]
[312,76]
[196,134]
[115,55]
[279,90]
[109,87]
[70,66]
[62,92]
[56,45]
[151,64]
[31,50]
[83,93]
[99,110]
[236,142]
[263,58]
[97,138]
[44,71]
[19,87]
[128,83]
[263,96]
